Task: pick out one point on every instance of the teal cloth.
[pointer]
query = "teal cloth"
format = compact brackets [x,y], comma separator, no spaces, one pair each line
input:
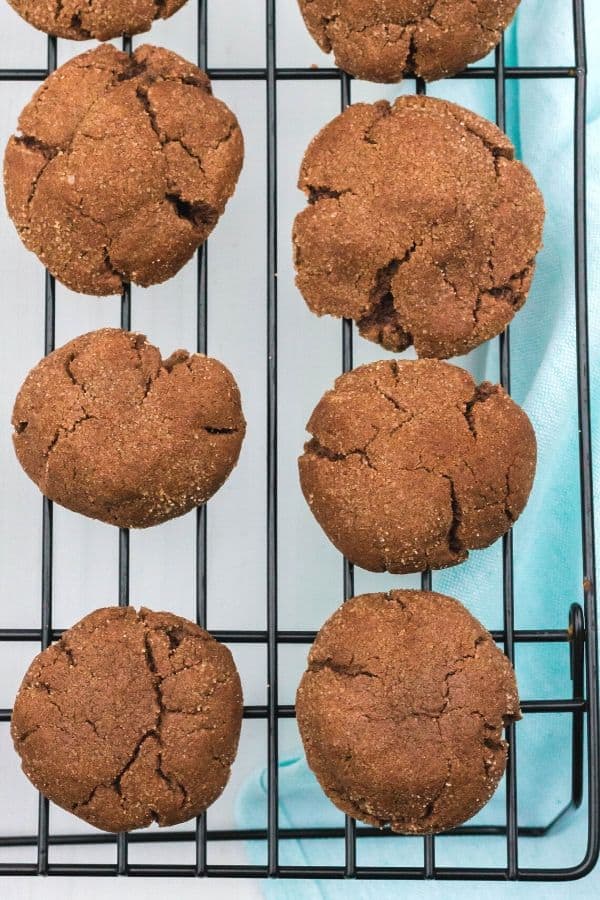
[547,537]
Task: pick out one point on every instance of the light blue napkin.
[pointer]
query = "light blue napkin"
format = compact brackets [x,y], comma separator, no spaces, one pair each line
[547,537]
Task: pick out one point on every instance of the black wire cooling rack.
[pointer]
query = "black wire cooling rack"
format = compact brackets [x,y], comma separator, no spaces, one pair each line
[580,632]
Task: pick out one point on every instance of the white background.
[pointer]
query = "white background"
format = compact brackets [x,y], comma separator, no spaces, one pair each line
[162,559]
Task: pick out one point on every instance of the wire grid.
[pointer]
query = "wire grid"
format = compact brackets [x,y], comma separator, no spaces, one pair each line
[580,633]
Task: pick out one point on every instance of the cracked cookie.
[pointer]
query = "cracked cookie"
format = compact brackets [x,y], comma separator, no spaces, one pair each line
[122,168]
[82,20]
[130,718]
[421,226]
[394,39]
[411,465]
[107,428]
[403,728]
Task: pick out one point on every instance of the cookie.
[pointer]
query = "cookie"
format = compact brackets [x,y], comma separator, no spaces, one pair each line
[107,428]
[82,20]
[122,168]
[394,39]
[403,728]
[421,226]
[130,718]
[411,465]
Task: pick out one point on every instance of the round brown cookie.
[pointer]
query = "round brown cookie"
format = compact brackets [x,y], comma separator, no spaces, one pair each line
[392,39]
[122,168]
[411,465]
[81,20]
[421,225]
[107,428]
[130,718]
[404,726]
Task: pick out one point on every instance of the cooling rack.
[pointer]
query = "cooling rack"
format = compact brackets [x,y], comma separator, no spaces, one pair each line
[579,632]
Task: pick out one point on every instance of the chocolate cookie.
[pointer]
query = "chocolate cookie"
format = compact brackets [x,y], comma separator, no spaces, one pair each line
[122,168]
[81,20]
[411,465]
[393,39]
[404,726]
[130,718]
[107,428]
[421,225]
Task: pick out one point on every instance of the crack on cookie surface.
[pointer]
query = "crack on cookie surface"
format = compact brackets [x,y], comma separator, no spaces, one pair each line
[136,237]
[101,20]
[391,41]
[406,691]
[397,239]
[411,465]
[164,434]
[130,798]
[315,448]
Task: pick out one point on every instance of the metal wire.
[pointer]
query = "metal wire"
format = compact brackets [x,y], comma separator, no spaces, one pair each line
[512,844]
[200,835]
[299,74]
[581,632]
[272,648]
